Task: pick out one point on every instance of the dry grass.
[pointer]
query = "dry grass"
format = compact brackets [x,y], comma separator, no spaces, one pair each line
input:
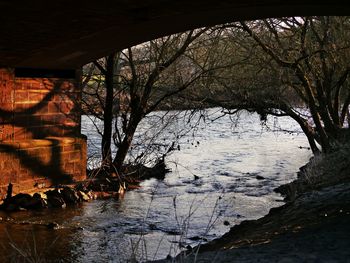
[321,171]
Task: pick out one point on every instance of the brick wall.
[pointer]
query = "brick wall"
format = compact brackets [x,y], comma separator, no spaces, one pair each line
[40,141]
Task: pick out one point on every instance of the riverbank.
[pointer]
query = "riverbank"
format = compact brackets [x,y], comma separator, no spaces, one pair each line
[100,184]
[311,227]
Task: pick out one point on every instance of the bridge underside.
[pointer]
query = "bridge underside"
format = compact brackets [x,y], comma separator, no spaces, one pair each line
[66,34]
[43,42]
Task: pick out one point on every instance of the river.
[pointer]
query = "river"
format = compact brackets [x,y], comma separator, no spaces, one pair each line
[223,172]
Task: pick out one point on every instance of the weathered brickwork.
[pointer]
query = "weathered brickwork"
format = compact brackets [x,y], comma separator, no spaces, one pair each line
[40,141]
[37,108]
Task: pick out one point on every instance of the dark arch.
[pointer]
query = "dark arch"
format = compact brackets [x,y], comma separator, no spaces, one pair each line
[65,34]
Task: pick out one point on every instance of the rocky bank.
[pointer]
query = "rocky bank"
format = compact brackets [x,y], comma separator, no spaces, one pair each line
[313,225]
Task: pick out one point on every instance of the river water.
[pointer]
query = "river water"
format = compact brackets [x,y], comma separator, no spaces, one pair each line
[223,172]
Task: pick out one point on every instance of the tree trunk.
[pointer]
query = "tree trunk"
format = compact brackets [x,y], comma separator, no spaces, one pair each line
[307,131]
[108,111]
[126,142]
[324,140]
[310,138]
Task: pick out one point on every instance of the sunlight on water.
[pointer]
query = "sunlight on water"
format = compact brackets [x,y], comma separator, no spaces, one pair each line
[224,173]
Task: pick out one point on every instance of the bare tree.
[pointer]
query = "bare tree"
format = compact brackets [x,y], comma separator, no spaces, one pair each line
[291,62]
[140,80]
[99,94]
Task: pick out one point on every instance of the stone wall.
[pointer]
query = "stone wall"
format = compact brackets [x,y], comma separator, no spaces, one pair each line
[40,140]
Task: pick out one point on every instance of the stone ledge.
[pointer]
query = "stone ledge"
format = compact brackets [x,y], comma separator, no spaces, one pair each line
[47,142]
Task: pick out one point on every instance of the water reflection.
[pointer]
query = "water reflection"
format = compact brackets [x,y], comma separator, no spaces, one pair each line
[26,235]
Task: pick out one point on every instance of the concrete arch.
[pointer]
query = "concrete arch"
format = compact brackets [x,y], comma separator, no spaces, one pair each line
[67,34]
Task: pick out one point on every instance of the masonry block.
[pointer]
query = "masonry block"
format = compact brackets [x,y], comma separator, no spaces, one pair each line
[40,140]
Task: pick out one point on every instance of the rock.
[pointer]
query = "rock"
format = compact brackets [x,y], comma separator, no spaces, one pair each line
[81,187]
[198,238]
[83,196]
[41,194]
[55,199]
[18,202]
[22,200]
[56,202]
[226,223]
[70,196]
[51,193]
[143,172]
[153,227]
[106,195]
[188,247]
[259,177]
[52,225]
[11,207]
[92,195]
[38,202]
